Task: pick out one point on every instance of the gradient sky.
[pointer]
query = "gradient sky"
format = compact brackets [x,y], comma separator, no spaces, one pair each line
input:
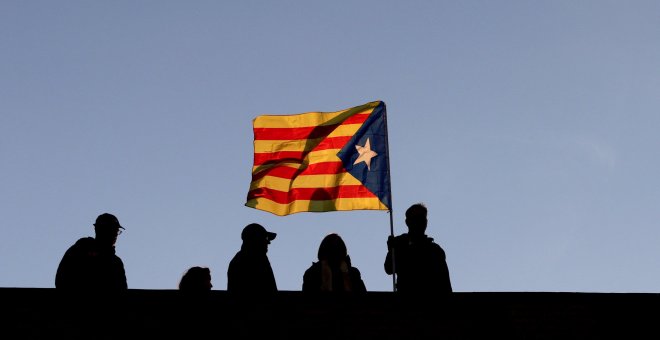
[528,128]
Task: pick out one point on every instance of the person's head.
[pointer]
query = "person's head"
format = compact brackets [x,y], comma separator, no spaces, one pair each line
[254,235]
[107,228]
[196,279]
[416,219]
[332,249]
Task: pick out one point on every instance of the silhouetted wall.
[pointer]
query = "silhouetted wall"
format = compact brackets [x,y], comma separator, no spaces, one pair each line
[36,313]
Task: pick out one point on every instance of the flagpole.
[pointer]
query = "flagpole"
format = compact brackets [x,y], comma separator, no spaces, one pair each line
[387,152]
[392,252]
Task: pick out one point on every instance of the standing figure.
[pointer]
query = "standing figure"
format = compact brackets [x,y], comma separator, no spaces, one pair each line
[91,263]
[249,271]
[420,263]
[333,271]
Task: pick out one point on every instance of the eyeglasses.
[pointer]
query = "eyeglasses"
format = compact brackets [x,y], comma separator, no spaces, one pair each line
[119,231]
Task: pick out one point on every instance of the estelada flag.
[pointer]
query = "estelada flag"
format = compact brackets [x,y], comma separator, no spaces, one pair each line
[321,161]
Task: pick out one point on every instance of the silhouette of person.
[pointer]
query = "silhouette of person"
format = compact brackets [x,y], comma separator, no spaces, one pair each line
[333,272]
[91,263]
[249,272]
[196,279]
[420,263]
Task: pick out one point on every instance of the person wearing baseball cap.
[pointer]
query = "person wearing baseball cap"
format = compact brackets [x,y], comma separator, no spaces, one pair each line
[249,272]
[91,263]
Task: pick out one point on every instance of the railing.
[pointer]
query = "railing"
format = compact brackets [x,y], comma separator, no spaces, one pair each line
[41,313]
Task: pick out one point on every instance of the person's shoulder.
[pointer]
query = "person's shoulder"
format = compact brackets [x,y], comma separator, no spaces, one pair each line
[82,247]
[436,248]
[315,266]
[402,238]
[356,278]
[430,242]
[84,243]
[86,240]
[355,271]
[236,258]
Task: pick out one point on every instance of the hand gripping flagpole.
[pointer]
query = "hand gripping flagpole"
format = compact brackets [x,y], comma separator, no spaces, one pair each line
[387,150]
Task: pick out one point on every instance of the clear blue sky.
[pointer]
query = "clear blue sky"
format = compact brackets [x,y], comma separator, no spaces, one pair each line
[529,129]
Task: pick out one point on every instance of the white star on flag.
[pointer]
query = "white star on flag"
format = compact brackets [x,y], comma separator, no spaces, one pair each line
[366,154]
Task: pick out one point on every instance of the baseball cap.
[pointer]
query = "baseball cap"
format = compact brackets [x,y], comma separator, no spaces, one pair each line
[107,220]
[255,231]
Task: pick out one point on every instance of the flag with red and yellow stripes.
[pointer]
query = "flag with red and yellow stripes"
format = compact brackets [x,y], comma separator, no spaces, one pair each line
[321,161]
